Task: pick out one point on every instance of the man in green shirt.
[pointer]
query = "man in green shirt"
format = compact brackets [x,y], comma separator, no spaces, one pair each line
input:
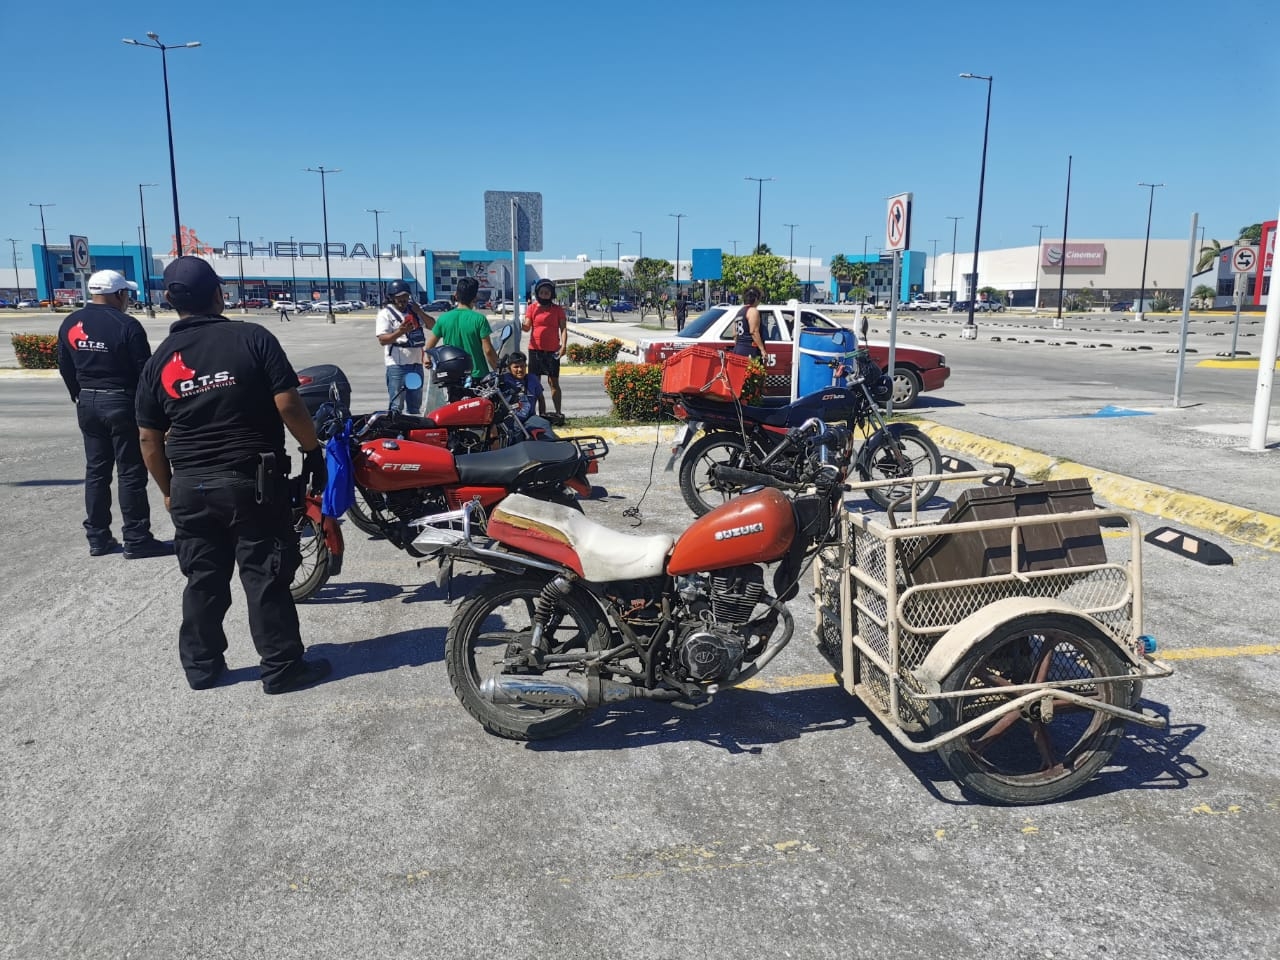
[468,329]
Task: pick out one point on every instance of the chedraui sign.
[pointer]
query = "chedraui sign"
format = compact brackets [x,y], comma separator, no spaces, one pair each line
[1078,255]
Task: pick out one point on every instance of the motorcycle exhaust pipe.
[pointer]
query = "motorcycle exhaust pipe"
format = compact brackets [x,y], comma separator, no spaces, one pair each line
[558,692]
[745,478]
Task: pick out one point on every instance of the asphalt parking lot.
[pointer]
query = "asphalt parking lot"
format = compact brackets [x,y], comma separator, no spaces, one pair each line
[372,816]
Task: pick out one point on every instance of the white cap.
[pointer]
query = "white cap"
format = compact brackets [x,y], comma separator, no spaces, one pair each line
[110,281]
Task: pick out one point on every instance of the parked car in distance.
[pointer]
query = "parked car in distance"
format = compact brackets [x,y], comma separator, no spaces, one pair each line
[991,306]
[916,369]
[256,303]
[1124,306]
[24,304]
[438,306]
[622,306]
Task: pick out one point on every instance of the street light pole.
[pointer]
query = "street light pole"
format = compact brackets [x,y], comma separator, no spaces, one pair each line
[1062,261]
[377,241]
[17,284]
[809,282]
[982,179]
[293,272]
[617,254]
[155,44]
[44,252]
[1142,293]
[679,217]
[760,182]
[146,256]
[240,260]
[735,247]
[641,232]
[1035,304]
[933,278]
[955,222]
[791,250]
[324,209]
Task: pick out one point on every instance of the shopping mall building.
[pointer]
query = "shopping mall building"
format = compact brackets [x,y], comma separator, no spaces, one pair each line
[1111,270]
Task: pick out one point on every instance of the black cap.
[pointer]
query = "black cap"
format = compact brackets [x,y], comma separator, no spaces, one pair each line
[190,282]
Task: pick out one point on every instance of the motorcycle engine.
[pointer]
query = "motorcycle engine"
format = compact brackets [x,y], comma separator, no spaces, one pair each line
[714,647]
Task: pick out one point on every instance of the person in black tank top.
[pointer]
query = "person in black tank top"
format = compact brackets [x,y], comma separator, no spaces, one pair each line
[749,340]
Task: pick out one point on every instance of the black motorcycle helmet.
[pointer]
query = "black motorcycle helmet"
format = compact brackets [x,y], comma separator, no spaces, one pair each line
[397,287]
[545,291]
[450,366]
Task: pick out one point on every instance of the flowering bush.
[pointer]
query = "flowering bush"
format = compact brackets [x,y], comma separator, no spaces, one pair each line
[37,351]
[636,389]
[605,352]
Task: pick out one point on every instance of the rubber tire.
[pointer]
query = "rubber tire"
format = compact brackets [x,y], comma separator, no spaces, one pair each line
[689,463]
[318,575]
[907,383]
[360,514]
[907,436]
[516,721]
[1104,732]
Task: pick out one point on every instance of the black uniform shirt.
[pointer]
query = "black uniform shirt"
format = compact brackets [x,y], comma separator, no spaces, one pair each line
[212,386]
[100,348]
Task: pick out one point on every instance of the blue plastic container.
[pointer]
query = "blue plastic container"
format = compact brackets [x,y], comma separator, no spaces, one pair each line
[818,346]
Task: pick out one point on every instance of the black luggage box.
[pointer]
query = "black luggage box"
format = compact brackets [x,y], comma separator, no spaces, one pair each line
[315,383]
[981,553]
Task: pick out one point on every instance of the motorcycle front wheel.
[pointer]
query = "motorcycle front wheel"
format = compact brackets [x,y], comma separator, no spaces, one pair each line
[361,513]
[894,453]
[493,625]
[702,493]
[313,571]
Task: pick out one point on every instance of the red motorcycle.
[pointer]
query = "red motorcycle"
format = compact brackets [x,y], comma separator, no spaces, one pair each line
[581,615]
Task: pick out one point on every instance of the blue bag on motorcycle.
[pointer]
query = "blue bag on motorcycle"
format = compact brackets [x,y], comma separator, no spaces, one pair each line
[340,489]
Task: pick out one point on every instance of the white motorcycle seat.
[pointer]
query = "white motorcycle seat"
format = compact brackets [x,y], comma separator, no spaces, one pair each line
[604,554]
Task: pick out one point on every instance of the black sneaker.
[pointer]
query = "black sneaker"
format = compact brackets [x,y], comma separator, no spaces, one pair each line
[148,548]
[303,674]
[214,679]
[102,549]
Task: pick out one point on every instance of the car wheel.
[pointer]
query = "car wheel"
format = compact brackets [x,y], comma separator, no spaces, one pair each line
[906,388]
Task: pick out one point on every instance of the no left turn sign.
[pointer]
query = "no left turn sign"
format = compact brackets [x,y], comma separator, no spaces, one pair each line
[1244,260]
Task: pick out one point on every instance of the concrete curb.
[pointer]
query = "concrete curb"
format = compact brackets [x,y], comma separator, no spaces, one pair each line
[1239,523]
[22,373]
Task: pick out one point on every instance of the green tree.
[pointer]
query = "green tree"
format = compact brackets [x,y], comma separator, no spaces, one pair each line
[650,278]
[991,293]
[1251,233]
[1205,294]
[765,271]
[859,294]
[761,251]
[604,282]
[1209,253]
[842,270]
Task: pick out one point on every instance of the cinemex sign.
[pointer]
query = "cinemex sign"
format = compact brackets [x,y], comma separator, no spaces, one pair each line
[1078,255]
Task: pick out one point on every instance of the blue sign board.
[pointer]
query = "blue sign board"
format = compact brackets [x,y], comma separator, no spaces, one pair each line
[706,264]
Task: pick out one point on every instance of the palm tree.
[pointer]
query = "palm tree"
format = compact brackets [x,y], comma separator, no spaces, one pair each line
[1209,253]
[858,273]
[1205,294]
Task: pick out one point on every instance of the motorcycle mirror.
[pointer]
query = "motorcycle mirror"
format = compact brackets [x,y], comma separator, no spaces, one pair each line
[505,333]
[412,380]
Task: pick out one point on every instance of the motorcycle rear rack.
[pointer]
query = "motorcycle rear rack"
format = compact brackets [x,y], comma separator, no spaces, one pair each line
[592,446]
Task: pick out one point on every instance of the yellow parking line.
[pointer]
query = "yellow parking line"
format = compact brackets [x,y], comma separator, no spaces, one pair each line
[1240,363]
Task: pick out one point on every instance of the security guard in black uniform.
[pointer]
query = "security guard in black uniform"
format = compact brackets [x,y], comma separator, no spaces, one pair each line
[101,351]
[223,391]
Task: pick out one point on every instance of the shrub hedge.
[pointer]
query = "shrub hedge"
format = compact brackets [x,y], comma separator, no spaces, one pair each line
[38,351]
[636,389]
[606,352]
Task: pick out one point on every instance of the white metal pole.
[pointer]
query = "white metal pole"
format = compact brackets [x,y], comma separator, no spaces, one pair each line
[1266,362]
[1186,311]
[517,282]
[893,321]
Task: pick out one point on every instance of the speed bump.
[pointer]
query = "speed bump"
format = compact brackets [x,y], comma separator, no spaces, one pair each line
[1190,546]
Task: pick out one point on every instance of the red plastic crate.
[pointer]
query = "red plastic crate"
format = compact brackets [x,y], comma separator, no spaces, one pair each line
[705,371]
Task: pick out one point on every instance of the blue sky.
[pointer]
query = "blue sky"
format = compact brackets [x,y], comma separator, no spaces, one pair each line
[621,113]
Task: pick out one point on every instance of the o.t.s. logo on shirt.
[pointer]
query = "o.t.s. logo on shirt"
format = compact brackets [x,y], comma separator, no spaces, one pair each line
[181,381]
[77,339]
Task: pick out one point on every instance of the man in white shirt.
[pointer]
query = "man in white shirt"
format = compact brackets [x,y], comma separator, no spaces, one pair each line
[401,329]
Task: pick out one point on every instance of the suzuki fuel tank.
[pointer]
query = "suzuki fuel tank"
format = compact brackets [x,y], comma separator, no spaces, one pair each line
[471,412]
[386,465]
[754,528]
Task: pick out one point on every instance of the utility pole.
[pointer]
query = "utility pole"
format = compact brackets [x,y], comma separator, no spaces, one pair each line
[324,209]
[955,222]
[44,253]
[791,250]
[377,240]
[146,255]
[17,285]
[1142,294]
[760,182]
[240,259]
[1035,304]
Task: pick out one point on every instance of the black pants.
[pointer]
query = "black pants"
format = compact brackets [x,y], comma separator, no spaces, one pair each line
[217,523]
[111,440]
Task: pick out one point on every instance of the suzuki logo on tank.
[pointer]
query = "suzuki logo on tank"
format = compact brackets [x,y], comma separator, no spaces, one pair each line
[1078,255]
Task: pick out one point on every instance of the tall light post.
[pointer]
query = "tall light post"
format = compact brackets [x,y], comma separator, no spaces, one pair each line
[809,282]
[735,247]
[400,244]
[1142,294]
[146,257]
[760,182]
[955,222]
[377,244]
[324,209]
[1035,304]
[155,44]
[982,180]
[865,238]
[240,260]
[933,279]
[791,249]
[617,254]
[679,217]
[641,233]
[17,284]
[293,271]
[1062,261]
[44,252]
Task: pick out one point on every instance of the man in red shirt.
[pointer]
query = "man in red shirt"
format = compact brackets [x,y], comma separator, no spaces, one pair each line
[548,328]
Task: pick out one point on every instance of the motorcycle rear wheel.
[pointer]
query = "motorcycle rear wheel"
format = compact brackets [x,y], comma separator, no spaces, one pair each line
[919,454]
[313,571]
[490,626]
[700,492]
